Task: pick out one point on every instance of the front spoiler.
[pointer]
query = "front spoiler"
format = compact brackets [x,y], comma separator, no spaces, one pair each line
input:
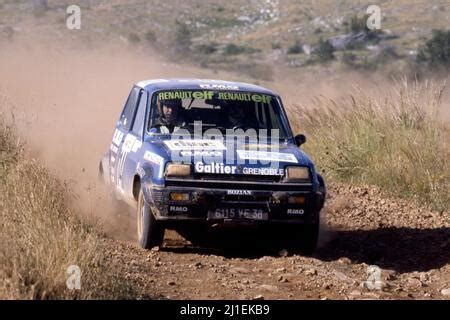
[203,200]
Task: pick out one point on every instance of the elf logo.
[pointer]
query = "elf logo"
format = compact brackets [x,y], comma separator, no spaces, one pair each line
[239,192]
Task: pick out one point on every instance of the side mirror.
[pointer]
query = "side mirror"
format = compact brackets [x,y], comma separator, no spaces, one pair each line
[300,139]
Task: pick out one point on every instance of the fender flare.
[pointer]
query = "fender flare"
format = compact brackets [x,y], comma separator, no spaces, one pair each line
[322,191]
[322,184]
[145,174]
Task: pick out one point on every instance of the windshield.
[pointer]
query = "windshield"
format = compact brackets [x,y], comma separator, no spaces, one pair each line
[227,111]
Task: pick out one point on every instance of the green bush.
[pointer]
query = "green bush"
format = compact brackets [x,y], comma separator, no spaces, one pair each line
[232,49]
[133,38]
[209,48]
[276,45]
[150,36]
[357,24]
[324,51]
[296,48]
[436,51]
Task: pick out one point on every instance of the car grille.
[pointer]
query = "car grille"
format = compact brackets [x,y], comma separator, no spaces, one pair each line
[253,178]
[238,184]
[247,198]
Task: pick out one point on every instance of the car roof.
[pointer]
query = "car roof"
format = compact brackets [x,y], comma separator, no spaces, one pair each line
[195,84]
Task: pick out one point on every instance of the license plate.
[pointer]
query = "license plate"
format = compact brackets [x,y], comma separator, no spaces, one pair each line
[238,213]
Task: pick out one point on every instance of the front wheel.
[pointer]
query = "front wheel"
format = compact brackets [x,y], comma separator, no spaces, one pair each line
[150,232]
[302,239]
[308,238]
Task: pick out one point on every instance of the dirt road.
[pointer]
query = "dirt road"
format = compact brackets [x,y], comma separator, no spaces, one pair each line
[65,103]
[371,247]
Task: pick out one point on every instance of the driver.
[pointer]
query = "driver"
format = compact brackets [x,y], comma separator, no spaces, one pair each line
[237,116]
[170,118]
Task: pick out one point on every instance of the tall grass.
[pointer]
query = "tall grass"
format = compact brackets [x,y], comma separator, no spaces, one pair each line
[40,237]
[394,140]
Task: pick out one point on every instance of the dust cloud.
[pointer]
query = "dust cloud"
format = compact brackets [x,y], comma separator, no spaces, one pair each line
[64,103]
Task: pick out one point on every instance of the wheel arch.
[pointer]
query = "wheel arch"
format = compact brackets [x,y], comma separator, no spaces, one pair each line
[136,186]
[142,178]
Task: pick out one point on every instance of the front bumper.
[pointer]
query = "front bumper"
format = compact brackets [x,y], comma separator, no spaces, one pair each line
[208,196]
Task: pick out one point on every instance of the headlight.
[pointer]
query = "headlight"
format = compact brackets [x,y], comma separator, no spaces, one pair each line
[297,200]
[297,174]
[178,170]
[179,196]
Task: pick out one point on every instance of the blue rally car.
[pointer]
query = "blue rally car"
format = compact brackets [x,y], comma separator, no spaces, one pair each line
[198,155]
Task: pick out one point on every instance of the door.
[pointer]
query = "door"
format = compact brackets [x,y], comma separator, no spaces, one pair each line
[132,147]
[121,142]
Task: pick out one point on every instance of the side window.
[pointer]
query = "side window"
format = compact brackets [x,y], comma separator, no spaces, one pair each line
[138,126]
[274,120]
[126,118]
[153,114]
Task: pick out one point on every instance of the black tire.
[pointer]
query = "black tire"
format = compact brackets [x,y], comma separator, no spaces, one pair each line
[303,240]
[196,235]
[309,236]
[150,232]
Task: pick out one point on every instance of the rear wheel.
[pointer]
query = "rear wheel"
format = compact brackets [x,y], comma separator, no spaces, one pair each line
[150,232]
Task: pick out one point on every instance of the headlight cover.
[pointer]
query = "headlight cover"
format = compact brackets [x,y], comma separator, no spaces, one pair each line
[297,174]
[178,170]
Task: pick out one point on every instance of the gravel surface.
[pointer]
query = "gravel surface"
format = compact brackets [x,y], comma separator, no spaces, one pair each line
[371,247]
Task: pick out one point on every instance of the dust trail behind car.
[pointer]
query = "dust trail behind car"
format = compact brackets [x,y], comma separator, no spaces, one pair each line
[65,102]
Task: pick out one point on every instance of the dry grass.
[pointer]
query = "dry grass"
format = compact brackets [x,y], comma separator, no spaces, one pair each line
[40,237]
[394,140]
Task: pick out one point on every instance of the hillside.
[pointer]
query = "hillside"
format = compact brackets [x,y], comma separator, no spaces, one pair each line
[259,38]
